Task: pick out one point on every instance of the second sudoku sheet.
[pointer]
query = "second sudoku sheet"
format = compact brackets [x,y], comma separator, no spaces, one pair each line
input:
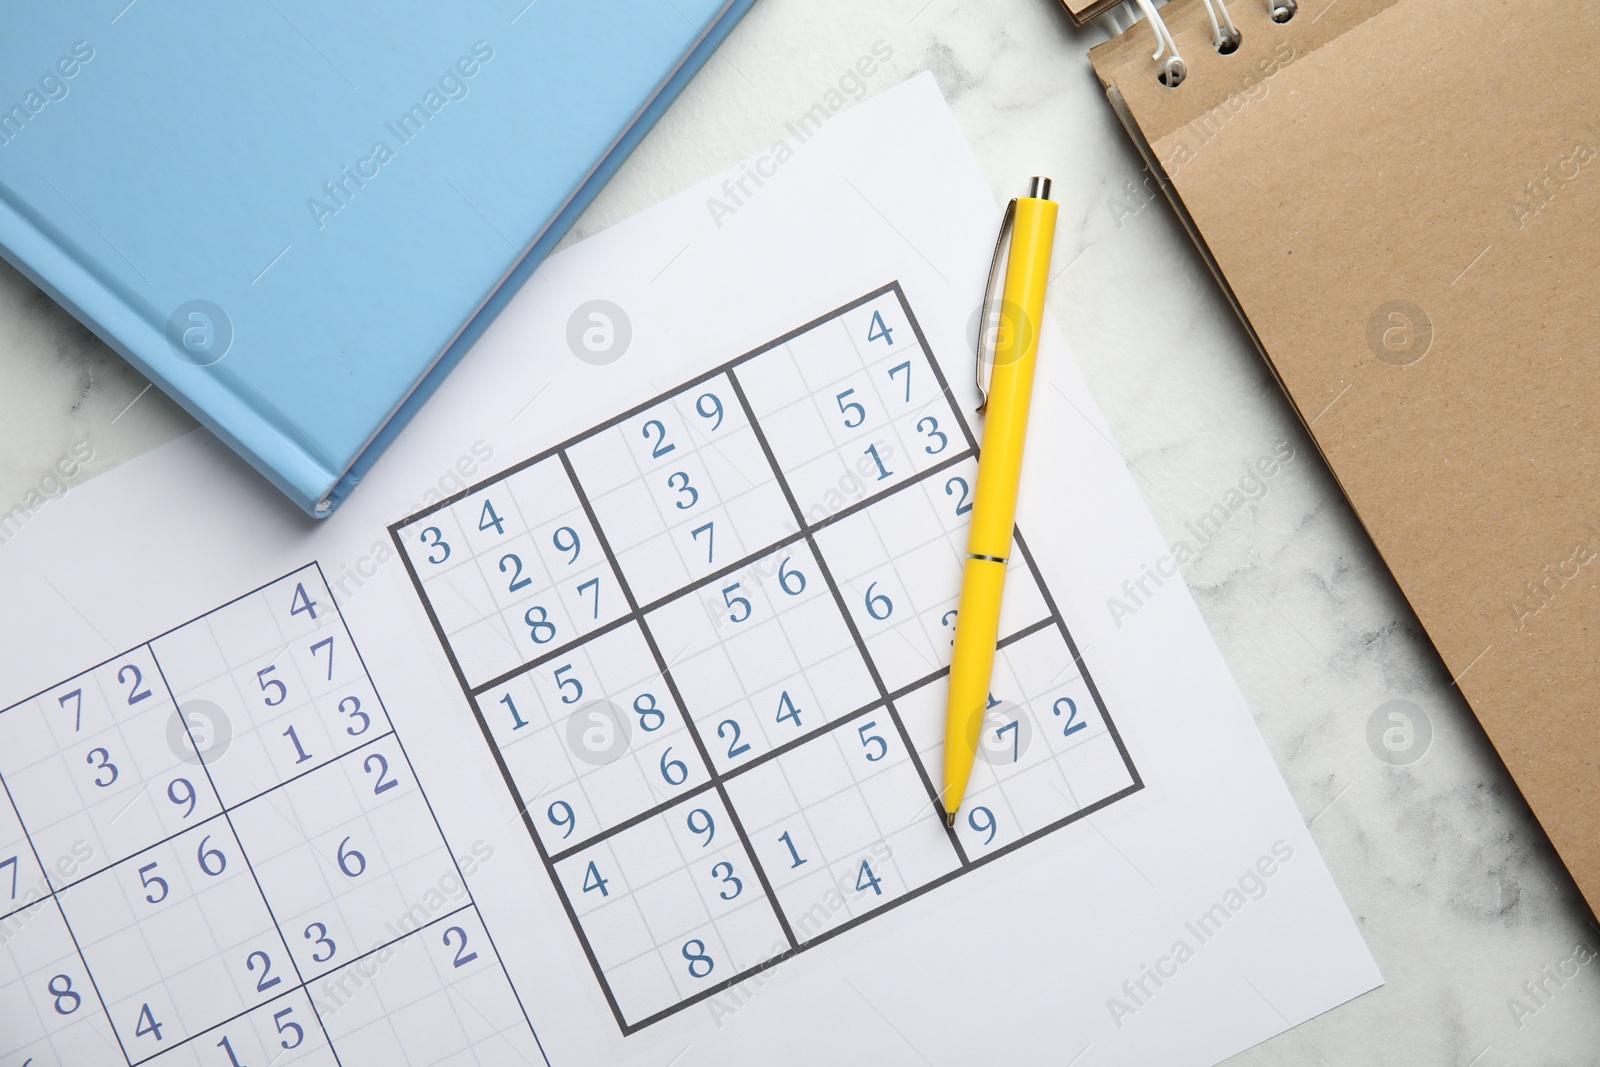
[214,850]
[707,642]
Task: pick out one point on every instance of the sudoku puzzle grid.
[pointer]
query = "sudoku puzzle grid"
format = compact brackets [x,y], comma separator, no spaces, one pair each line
[214,850]
[707,643]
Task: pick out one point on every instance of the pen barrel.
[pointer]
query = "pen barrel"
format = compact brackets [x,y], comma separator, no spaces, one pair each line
[1016,350]
[994,506]
[971,664]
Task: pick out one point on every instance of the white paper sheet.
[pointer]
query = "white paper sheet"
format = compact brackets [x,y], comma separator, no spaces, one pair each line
[699,827]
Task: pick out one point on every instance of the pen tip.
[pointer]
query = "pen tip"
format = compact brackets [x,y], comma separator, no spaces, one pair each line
[950,819]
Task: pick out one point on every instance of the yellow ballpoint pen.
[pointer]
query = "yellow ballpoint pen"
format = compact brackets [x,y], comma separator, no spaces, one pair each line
[1032,221]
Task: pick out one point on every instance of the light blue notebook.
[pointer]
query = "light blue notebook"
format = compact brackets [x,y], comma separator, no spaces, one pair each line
[294,216]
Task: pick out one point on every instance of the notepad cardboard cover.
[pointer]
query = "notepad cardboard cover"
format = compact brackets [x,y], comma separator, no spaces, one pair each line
[1400,198]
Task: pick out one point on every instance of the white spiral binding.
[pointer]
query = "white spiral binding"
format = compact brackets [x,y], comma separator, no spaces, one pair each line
[1225,36]
[1173,68]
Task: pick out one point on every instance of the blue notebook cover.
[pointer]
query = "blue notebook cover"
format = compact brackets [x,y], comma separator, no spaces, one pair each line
[295,217]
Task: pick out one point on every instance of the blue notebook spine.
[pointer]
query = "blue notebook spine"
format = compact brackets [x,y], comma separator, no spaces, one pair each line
[270,448]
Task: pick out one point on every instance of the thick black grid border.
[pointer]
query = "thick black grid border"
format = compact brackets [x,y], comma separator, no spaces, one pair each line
[301,985]
[636,614]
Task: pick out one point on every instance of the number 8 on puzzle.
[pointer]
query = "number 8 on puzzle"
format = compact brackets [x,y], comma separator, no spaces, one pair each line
[707,642]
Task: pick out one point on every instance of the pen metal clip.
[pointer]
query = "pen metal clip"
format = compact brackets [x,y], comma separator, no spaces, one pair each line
[983,309]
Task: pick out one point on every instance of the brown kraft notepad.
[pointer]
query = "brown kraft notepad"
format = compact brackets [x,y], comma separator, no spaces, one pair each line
[1400,198]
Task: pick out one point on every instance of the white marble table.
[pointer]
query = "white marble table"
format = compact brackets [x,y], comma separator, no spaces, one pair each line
[1455,887]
